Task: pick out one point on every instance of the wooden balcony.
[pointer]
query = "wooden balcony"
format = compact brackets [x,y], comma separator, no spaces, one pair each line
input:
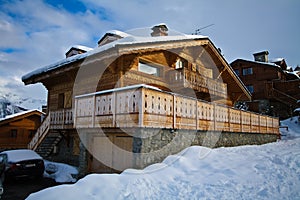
[148,107]
[197,82]
[61,119]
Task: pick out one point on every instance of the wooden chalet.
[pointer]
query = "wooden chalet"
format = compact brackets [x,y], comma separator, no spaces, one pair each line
[17,130]
[275,90]
[139,93]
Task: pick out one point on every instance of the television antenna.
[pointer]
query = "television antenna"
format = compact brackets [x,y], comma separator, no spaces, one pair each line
[198,31]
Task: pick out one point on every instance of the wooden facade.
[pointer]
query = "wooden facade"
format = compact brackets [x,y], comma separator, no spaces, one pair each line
[272,90]
[16,131]
[166,82]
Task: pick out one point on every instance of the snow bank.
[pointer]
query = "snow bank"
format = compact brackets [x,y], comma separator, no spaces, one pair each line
[293,130]
[270,171]
[60,172]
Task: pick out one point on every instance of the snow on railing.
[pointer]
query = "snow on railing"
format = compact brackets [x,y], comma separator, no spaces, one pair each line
[141,106]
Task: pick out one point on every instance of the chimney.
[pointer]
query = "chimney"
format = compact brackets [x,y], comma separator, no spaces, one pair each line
[261,56]
[159,30]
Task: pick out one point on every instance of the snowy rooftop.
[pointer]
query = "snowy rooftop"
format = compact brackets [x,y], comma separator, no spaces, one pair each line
[132,37]
[84,48]
[19,114]
[263,63]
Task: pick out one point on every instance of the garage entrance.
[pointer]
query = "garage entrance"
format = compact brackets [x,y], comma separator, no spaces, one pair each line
[112,150]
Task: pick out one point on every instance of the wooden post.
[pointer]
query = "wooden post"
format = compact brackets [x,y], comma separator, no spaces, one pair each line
[214,115]
[196,110]
[93,110]
[174,111]
[114,108]
[75,113]
[141,107]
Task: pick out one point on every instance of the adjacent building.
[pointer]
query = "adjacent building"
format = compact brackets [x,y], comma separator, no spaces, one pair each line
[274,87]
[17,130]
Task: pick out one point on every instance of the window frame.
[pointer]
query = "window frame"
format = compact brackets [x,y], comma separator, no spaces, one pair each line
[145,63]
[247,71]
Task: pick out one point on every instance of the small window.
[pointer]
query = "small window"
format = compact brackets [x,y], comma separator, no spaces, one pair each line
[250,88]
[237,72]
[61,100]
[148,68]
[179,64]
[247,71]
[14,133]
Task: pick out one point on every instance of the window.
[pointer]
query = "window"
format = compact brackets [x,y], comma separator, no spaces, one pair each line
[247,71]
[237,72]
[179,64]
[250,88]
[148,68]
[61,100]
[13,133]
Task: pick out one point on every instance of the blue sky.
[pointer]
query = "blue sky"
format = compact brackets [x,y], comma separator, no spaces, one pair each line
[37,33]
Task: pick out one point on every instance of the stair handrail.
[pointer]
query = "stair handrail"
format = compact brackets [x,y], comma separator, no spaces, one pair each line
[40,133]
[284,94]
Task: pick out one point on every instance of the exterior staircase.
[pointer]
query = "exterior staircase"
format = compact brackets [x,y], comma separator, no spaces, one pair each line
[285,92]
[284,98]
[45,140]
[49,143]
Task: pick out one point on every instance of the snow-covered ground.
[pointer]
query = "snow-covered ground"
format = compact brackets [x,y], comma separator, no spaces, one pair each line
[270,171]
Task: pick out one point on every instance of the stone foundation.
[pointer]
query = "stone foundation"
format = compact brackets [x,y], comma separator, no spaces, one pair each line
[164,142]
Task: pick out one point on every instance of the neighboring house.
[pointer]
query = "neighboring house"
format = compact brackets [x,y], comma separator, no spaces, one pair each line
[145,94]
[17,130]
[274,87]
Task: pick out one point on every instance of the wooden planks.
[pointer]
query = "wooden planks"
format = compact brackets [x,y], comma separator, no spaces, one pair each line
[150,108]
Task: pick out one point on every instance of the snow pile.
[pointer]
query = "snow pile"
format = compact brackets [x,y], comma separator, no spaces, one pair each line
[60,172]
[290,128]
[270,171]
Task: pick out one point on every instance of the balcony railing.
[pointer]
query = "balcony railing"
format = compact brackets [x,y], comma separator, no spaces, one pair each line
[60,119]
[148,107]
[193,80]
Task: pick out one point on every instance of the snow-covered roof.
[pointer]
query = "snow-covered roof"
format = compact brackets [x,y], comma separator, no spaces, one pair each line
[273,60]
[20,114]
[129,40]
[81,47]
[20,155]
[117,32]
[263,63]
[294,73]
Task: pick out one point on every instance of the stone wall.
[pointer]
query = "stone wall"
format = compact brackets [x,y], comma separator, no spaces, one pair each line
[161,143]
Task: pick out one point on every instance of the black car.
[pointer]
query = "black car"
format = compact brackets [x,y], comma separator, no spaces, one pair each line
[21,163]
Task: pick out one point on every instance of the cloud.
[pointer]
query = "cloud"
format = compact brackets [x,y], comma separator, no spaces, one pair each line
[35,34]
[38,33]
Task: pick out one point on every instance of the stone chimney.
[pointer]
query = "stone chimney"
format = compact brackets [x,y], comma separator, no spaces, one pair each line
[159,30]
[261,56]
